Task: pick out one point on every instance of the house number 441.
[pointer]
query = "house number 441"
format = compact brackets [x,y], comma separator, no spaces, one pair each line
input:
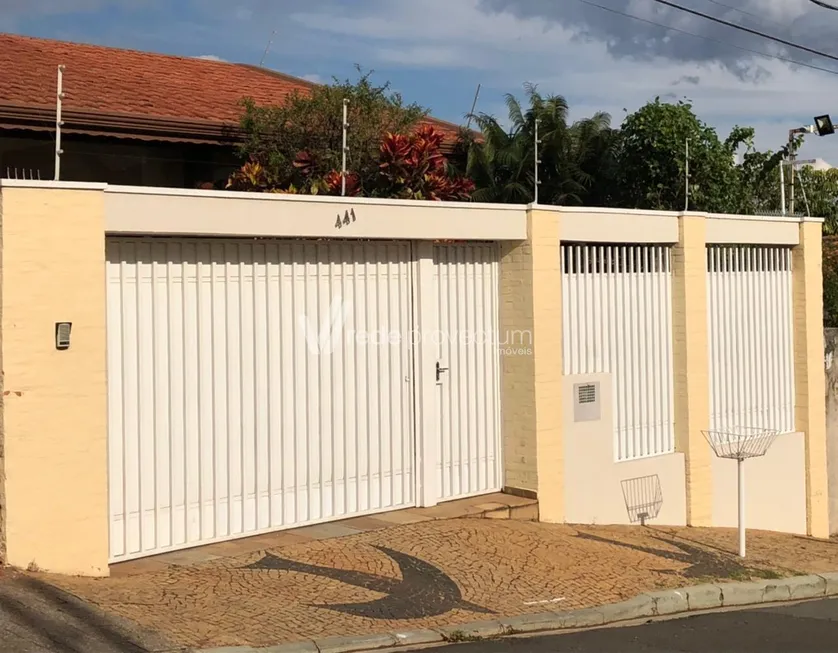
[348,218]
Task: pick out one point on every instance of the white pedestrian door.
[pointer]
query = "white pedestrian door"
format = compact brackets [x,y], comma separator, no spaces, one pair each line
[467,341]
[259,384]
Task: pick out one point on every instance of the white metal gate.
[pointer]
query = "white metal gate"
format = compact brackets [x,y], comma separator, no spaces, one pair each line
[256,384]
[468,382]
[617,319]
[751,344]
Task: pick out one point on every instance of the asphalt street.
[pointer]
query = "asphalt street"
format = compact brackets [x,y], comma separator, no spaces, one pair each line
[38,618]
[804,627]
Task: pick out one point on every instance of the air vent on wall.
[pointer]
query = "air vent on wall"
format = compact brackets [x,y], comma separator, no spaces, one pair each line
[586,394]
[586,407]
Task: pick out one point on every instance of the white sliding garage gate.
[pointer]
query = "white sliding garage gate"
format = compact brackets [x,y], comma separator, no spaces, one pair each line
[256,385]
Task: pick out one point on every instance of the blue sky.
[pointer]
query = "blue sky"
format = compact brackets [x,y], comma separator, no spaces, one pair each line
[435,52]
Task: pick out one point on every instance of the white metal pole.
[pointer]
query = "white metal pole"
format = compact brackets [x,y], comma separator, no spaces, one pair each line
[687,179]
[740,465]
[343,155]
[58,123]
[782,187]
[536,162]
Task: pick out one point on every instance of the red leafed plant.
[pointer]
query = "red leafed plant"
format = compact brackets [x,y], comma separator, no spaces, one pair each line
[252,176]
[414,167]
[410,167]
[332,183]
[304,163]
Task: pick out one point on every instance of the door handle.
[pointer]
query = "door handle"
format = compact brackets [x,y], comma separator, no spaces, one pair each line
[439,370]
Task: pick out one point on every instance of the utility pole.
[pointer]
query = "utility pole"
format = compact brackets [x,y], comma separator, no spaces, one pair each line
[58,122]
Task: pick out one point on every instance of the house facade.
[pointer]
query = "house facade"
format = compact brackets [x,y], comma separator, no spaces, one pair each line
[183,367]
[129,117]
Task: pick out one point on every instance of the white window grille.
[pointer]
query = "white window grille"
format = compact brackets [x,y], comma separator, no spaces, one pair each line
[617,319]
[750,316]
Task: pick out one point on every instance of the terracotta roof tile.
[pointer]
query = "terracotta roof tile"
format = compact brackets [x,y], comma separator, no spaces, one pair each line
[114,81]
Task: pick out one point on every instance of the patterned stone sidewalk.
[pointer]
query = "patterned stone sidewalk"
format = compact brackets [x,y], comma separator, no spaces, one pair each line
[427,574]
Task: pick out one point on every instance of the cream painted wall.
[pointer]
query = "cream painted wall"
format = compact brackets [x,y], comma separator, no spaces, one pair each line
[775,488]
[218,213]
[54,402]
[593,481]
[618,226]
[723,230]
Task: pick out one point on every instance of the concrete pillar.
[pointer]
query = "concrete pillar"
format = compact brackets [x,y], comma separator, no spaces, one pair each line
[690,360]
[810,403]
[531,337]
[54,410]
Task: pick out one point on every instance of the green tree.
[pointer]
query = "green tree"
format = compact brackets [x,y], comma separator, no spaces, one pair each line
[652,161]
[759,183]
[830,281]
[298,143]
[821,193]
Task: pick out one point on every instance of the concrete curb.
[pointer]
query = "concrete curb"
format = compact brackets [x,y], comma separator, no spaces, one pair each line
[649,604]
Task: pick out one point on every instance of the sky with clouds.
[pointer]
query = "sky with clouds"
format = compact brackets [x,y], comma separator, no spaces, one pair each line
[435,52]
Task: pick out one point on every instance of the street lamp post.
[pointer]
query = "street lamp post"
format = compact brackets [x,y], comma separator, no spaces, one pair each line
[792,154]
[822,127]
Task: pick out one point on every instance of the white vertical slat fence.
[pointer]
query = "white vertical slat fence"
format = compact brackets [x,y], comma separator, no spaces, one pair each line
[224,418]
[617,319]
[750,324]
[467,342]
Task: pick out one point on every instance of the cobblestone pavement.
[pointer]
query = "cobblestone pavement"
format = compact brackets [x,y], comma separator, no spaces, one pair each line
[429,574]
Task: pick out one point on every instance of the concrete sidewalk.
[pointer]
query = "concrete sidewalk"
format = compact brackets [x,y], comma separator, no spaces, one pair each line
[431,575]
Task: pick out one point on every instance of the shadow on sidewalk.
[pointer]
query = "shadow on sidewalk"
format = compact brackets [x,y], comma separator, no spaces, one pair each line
[702,563]
[37,617]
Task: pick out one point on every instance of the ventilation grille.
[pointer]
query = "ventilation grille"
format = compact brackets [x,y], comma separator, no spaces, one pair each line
[586,402]
[587,394]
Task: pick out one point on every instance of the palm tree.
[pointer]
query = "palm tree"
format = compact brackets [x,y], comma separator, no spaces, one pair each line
[595,155]
[498,164]
[501,163]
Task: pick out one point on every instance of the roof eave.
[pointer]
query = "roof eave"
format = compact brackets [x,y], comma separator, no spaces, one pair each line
[150,128]
[120,125]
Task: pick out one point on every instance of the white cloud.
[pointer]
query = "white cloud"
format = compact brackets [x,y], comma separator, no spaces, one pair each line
[314,78]
[503,50]
[210,57]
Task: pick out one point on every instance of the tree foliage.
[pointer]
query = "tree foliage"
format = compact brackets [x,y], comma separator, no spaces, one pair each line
[819,188]
[575,158]
[297,146]
[652,160]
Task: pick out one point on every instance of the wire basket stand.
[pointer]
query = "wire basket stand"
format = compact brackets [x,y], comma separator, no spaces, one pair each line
[739,443]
